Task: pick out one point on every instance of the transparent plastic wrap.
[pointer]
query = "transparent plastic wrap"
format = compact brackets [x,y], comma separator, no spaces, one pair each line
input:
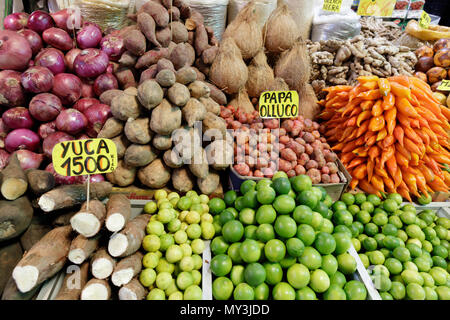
[264,9]
[106,13]
[342,26]
[303,12]
[214,12]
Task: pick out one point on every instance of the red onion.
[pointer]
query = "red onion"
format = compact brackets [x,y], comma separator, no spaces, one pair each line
[70,57]
[47,129]
[29,159]
[90,63]
[4,158]
[40,21]
[87,90]
[11,91]
[71,121]
[105,82]
[33,38]
[82,136]
[67,87]
[59,179]
[15,21]
[17,118]
[89,36]
[3,129]
[21,139]
[97,116]
[51,58]
[68,19]
[113,46]
[15,51]
[83,104]
[45,107]
[37,79]
[92,178]
[58,38]
[54,139]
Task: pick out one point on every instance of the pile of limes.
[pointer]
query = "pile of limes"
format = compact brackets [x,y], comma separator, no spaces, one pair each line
[277,241]
[406,252]
[172,265]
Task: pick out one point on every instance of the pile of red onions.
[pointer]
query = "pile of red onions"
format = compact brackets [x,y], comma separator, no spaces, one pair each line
[53,68]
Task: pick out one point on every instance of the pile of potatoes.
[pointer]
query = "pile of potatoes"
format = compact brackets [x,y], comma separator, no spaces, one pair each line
[433,66]
[294,146]
[153,121]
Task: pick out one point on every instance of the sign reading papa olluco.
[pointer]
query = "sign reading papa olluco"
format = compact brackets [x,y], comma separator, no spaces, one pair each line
[84,157]
[279,104]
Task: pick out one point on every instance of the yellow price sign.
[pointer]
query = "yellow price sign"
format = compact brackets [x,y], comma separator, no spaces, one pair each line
[424,21]
[279,104]
[378,8]
[332,5]
[444,86]
[84,157]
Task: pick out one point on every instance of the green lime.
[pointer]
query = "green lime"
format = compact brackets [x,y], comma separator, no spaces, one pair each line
[430,234]
[283,291]
[308,198]
[221,265]
[360,198]
[233,231]
[255,274]
[348,198]
[263,183]
[247,216]
[370,244]
[285,227]
[356,244]
[281,185]
[317,221]
[338,278]
[262,291]
[301,183]
[363,217]
[239,203]
[424,200]
[355,290]
[184,203]
[265,232]
[329,264]
[346,263]
[402,235]
[415,292]
[396,197]
[219,245]
[437,261]
[306,234]
[230,197]
[233,252]
[376,257]
[322,209]
[441,221]
[408,217]
[225,216]
[222,288]
[249,199]
[287,261]
[353,209]
[380,219]
[303,214]
[395,221]
[343,229]
[391,242]
[298,276]
[367,206]
[339,205]
[412,276]
[382,282]
[394,266]
[343,217]
[274,250]
[151,243]
[343,242]
[295,247]
[325,243]
[274,273]
[431,294]
[243,292]
[279,174]
[150,207]
[423,264]
[305,294]
[398,290]
[440,251]
[371,229]
[441,232]
[327,226]
[389,230]
[328,201]
[374,199]
[364,259]
[266,214]
[250,251]
[379,237]
[320,281]
[284,204]
[443,292]
[358,226]
[386,296]
[439,275]
[266,195]
[247,185]
[147,277]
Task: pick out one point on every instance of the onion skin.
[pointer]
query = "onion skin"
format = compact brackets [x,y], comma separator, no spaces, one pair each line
[59,179]
[105,82]
[34,40]
[11,90]
[70,58]
[45,107]
[52,59]
[58,38]
[87,89]
[89,36]
[17,118]
[4,158]
[47,129]
[22,139]
[97,116]
[16,21]
[40,21]
[37,79]
[67,19]
[54,139]
[29,159]
[90,63]
[82,136]
[3,129]
[67,87]
[83,104]
[15,51]
[92,178]
[113,46]
[71,121]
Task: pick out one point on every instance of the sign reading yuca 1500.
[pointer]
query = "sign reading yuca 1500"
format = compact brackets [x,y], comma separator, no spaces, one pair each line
[83,157]
[278,104]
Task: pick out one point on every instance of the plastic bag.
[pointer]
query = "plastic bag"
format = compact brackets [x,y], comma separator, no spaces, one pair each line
[264,9]
[431,34]
[342,26]
[214,12]
[303,13]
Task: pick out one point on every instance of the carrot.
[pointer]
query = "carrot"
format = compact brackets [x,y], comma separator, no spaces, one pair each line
[380,171]
[367,187]
[353,184]
[388,141]
[363,128]
[356,111]
[411,146]
[427,172]
[398,178]
[403,151]
[347,157]
[390,116]
[377,183]
[386,154]
[355,162]
[399,134]
[401,160]
[361,151]
[404,193]
[406,108]
[411,134]
[370,168]
[360,171]
[373,152]
[389,184]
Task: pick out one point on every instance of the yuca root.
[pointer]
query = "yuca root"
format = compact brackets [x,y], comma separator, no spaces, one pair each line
[74,282]
[88,222]
[102,264]
[10,254]
[40,181]
[132,291]
[81,248]
[71,195]
[11,292]
[96,289]
[15,217]
[118,212]
[44,259]
[127,269]
[14,182]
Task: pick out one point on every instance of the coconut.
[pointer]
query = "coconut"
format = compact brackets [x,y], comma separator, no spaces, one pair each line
[245,30]
[242,102]
[294,66]
[228,71]
[309,107]
[280,31]
[260,75]
[278,84]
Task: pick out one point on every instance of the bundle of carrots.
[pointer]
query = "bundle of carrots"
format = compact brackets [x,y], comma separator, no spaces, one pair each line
[392,135]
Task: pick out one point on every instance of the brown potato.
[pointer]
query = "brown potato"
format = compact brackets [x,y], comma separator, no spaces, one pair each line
[424,64]
[441,44]
[424,51]
[442,58]
[436,74]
